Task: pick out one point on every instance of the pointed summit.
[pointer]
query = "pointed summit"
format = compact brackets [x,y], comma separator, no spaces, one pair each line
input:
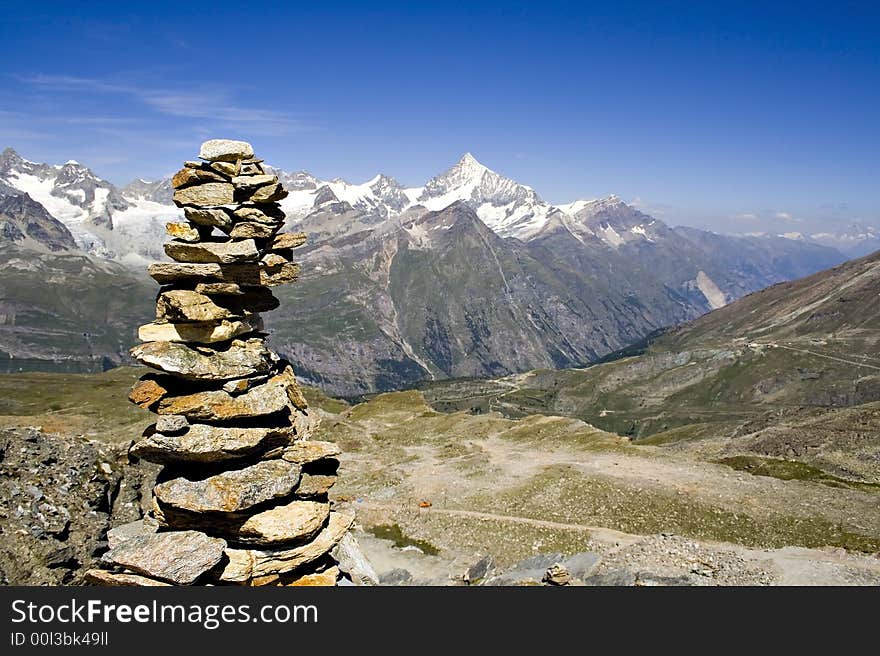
[470,163]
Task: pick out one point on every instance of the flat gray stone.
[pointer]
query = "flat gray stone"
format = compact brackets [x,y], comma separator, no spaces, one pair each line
[206,194]
[203,443]
[231,491]
[246,564]
[229,252]
[353,562]
[209,217]
[119,534]
[241,358]
[225,150]
[295,522]
[178,557]
[219,405]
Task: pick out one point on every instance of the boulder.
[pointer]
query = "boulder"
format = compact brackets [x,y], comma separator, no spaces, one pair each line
[231,491]
[240,358]
[202,443]
[206,194]
[206,252]
[245,564]
[178,557]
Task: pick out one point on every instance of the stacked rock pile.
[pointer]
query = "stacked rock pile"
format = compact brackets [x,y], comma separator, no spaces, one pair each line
[243,494]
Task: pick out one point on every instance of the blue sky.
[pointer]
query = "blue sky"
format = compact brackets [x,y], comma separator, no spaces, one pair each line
[764,117]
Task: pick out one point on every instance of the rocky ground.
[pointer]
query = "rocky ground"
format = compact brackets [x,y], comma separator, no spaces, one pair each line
[58,497]
[456,498]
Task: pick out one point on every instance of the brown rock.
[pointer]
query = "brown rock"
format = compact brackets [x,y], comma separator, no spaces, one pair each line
[206,194]
[274,275]
[191,175]
[171,424]
[231,491]
[183,232]
[207,252]
[327,578]
[225,289]
[103,577]
[225,150]
[243,384]
[294,392]
[252,231]
[229,169]
[217,405]
[267,194]
[119,534]
[315,485]
[203,332]
[294,522]
[203,444]
[251,181]
[210,217]
[269,213]
[188,305]
[287,240]
[239,359]
[178,557]
[305,451]
[279,272]
[274,260]
[146,392]
[251,167]
[245,564]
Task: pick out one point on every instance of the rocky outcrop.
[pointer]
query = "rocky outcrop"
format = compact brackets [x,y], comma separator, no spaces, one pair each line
[243,497]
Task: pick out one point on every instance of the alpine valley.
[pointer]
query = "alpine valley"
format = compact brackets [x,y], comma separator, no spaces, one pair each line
[471,275]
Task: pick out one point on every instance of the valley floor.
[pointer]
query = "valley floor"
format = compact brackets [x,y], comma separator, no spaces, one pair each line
[436,492]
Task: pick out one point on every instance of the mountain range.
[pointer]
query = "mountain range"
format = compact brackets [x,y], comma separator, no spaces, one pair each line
[791,372]
[470,275]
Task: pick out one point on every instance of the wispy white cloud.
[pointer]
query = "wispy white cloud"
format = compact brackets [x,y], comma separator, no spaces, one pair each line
[784,216]
[654,209]
[211,105]
[746,216]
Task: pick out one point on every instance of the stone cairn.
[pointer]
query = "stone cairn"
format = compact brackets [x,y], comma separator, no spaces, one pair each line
[242,496]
